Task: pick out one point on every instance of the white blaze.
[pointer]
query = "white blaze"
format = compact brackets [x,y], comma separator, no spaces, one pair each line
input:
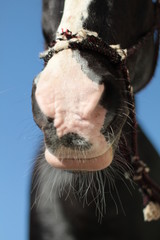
[75,12]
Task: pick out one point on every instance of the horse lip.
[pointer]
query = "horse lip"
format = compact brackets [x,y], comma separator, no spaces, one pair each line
[79,154]
[96,163]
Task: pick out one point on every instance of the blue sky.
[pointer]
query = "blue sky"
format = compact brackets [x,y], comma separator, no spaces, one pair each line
[20,43]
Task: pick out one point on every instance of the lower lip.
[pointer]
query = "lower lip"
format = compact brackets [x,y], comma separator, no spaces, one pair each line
[91,164]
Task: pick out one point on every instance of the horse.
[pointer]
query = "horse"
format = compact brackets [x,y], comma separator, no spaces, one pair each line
[99,53]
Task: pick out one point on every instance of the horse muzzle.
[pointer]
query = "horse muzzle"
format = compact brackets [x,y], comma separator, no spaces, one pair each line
[68,107]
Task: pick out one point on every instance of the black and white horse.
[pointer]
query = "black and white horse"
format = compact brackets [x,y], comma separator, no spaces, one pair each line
[100,52]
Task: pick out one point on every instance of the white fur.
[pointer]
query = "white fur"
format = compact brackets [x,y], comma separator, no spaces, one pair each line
[75,12]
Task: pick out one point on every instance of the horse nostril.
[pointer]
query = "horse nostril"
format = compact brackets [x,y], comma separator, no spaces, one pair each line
[74,141]
[50,120]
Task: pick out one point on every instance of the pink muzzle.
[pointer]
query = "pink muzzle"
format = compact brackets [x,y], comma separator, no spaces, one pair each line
[66,94]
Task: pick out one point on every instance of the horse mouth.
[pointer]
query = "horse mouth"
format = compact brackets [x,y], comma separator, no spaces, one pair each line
[92,159]
[94,163]
[95,157]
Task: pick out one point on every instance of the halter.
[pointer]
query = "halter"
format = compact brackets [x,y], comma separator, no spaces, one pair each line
[87,40]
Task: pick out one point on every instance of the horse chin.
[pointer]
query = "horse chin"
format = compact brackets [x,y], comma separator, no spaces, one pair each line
[90,164]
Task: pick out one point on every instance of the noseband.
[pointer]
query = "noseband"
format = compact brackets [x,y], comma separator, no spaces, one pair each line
[86,40]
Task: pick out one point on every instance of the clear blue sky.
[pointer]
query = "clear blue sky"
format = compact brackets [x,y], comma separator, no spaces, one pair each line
[20,43]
